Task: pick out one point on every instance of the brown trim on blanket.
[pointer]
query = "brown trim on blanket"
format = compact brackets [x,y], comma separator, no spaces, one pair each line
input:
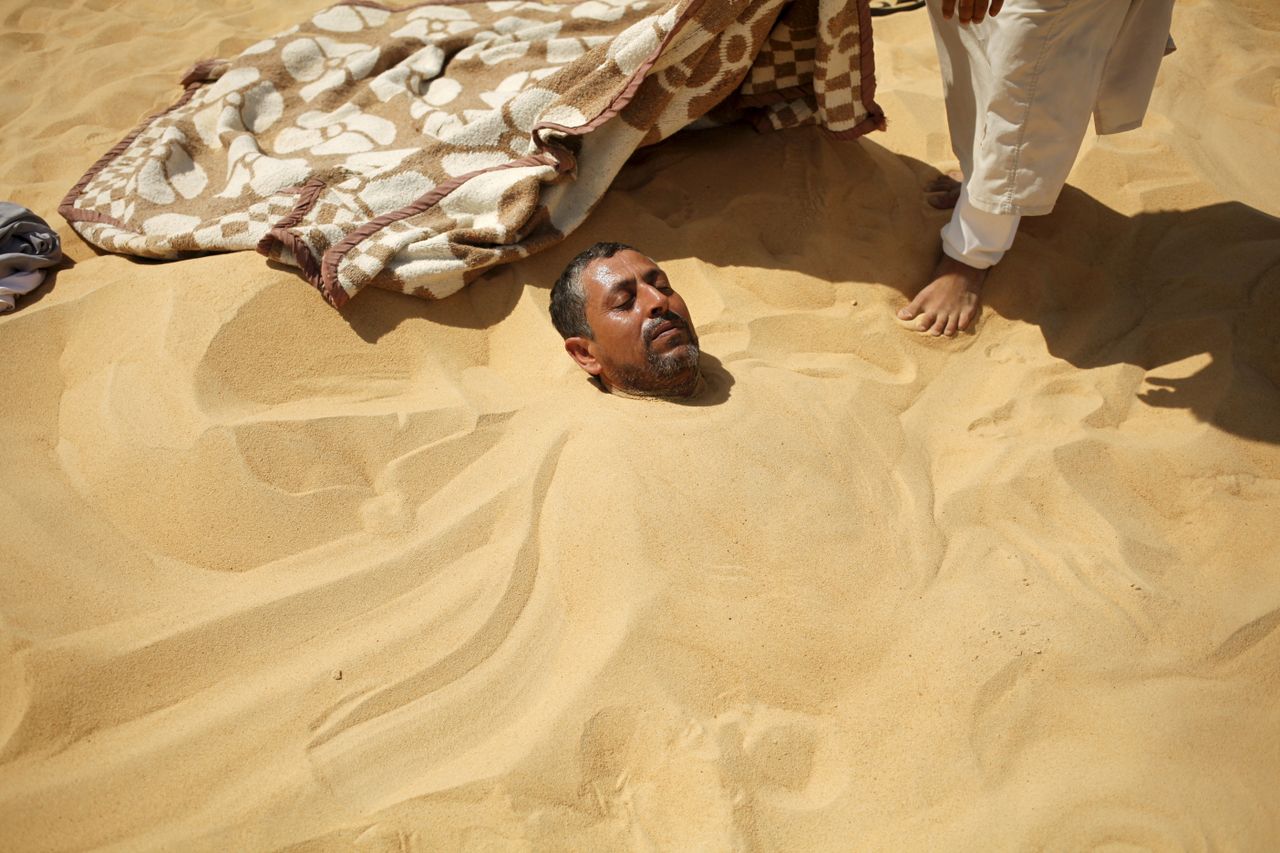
[564,160]
[307,195]
[867,61]
[279,233]
[302,254]
[67,206]
[199,73]
[618,104]
[324,273]
[93,217]
[327,270]
[548,155]
[871,122]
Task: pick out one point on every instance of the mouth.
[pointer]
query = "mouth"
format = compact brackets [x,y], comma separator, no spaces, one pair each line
[664,331]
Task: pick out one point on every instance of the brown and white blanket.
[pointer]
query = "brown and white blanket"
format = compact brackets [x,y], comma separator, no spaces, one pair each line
[413,148]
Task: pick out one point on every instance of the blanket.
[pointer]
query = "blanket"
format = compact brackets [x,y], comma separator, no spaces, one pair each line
[412,149]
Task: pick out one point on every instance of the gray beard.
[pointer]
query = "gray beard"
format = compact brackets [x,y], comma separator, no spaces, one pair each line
[673,374]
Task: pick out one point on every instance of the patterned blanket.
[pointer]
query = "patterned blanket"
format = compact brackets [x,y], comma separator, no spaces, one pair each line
[411,149]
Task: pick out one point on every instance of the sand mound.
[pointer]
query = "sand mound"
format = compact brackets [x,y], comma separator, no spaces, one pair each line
[398,578]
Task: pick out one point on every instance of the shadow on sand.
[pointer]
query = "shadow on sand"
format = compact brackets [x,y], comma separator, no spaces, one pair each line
[1192,294]
[46,287]
[1153,290]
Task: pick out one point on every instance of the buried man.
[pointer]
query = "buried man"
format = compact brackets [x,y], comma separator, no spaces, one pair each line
[623,323]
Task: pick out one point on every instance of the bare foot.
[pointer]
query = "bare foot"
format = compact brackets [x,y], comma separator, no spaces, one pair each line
[950,303]
[943,192]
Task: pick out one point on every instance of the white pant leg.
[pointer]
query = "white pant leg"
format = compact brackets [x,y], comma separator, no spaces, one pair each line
[966,76]
[976,237]
[1034,73]
[1130,72]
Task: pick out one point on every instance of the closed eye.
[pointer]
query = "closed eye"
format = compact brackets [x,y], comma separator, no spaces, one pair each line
[660,283]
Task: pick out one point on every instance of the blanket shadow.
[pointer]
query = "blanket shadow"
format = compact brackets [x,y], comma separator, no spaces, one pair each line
[46,287]
[1187,296]
[480,305]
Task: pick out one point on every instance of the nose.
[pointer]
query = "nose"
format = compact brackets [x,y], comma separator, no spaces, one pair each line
[657,301]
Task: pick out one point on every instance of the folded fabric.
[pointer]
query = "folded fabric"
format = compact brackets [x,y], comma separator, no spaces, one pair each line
[413,148]
[28,246]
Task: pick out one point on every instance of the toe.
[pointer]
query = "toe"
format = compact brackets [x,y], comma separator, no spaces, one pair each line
[938,325]
[913,308]
[967,316]
[924,321]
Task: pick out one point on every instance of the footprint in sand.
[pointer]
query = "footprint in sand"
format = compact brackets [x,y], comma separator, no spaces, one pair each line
[675,778]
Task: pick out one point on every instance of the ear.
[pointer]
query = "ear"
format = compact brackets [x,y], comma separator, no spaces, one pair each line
[579,350]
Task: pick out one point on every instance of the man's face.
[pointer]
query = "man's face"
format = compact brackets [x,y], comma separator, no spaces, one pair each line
[644,341]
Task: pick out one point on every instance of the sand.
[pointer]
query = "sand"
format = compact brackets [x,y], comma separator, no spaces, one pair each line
[272,576]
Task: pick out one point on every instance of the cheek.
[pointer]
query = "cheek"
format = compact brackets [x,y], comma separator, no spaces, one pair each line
[621,334]
[678,306]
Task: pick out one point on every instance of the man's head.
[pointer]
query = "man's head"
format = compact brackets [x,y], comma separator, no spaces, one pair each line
[623,324]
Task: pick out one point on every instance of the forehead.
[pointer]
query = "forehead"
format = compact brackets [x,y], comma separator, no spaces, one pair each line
[604,274]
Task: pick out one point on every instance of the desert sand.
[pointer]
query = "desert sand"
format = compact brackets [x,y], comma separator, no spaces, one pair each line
[397,578]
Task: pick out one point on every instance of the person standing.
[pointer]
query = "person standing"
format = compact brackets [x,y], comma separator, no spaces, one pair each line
[1021,79]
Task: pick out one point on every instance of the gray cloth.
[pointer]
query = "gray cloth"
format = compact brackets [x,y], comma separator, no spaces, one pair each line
[28,246]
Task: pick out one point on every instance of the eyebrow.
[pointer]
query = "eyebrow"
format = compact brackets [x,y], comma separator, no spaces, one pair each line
[628,279]
[619,282]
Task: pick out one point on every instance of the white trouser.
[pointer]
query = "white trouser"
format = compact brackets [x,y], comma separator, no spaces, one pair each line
[1020,89]
[976,237]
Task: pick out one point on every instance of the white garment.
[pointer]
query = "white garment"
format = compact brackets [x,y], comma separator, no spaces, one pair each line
[976,237]
[1021,87]
[18,284]
[28,247]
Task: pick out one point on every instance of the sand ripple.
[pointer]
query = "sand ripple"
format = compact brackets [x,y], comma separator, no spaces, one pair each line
[278,577]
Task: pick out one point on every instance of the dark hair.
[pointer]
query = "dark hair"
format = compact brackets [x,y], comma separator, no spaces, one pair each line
[569,297]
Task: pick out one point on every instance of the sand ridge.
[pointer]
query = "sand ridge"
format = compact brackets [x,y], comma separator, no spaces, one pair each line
[278,577]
